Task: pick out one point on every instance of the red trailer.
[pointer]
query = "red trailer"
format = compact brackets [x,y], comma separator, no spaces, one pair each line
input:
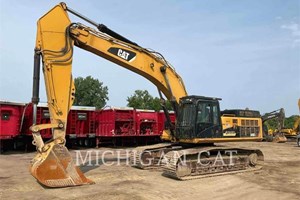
[115,125]
[10,122]
[42,117]
[81,125]
[127,125]
[85,124]
[162,120]
[114,122]
[147,123]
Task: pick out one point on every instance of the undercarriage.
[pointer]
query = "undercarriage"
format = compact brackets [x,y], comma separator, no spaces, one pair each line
[183,163]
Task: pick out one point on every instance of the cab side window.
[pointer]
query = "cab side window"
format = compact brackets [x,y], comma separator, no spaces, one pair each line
[204,113]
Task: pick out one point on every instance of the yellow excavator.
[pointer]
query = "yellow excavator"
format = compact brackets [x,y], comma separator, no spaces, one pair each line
[198,122]
[293,132]
[276,135]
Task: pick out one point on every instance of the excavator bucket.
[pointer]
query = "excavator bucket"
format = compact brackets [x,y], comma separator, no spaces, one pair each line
[56,168]
[279,138]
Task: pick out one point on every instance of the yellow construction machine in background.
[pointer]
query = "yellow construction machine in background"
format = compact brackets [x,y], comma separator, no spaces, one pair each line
[238,122]
[293,132]
[274,135]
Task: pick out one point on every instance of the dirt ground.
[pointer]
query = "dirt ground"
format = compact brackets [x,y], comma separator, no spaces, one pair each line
[279,179]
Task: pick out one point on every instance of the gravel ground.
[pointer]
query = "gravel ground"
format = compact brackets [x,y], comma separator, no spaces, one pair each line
[279,179]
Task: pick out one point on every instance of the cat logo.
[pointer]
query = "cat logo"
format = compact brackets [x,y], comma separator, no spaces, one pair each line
[122,53]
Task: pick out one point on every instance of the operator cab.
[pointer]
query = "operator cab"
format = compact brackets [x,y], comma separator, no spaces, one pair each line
[198,117]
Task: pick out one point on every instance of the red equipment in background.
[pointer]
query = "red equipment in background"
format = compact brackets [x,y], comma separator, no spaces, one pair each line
[115,122]
[81,125]
[128,125]
[147,123]
[86,125]
[115,125]
[10,124]
[162,120]
[42,117]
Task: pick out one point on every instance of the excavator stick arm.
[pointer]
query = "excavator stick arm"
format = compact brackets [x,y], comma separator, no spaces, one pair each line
[53,165]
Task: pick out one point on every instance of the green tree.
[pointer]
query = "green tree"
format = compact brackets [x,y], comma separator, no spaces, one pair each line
[156,104]
[289,122]
[90,92]
[141,99]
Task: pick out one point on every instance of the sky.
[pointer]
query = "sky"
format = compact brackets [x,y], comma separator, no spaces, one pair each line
[245,52]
